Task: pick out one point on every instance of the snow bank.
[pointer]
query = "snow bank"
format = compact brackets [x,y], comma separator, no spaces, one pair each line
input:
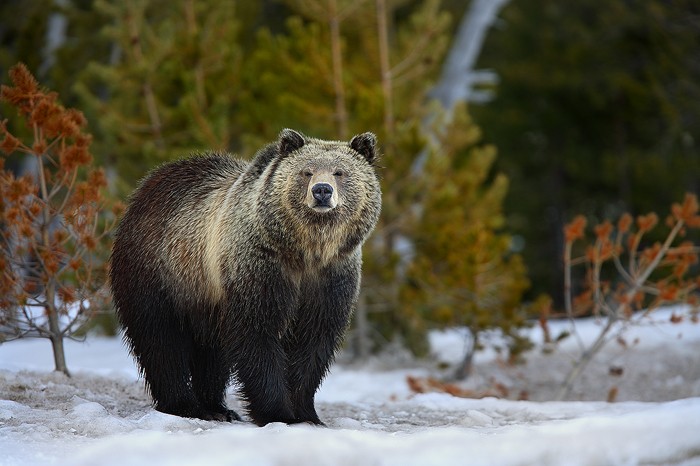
[472,432]
[651,434]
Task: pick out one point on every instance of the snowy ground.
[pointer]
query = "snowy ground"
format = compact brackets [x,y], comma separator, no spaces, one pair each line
[102,416]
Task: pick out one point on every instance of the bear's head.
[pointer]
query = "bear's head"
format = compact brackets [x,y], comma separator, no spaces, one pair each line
[328,187]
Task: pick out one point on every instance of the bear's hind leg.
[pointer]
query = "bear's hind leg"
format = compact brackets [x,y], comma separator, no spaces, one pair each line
[210,376]
[163,351]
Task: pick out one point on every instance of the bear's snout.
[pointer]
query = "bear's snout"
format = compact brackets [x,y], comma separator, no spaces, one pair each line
[322,192]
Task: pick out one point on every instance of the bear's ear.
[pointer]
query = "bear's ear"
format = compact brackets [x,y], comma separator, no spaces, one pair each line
[365,145]
[289,141]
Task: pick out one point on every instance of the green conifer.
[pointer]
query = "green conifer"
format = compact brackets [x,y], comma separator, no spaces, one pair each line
[463,271]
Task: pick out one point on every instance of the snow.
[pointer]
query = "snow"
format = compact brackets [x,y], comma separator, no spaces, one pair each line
[102,415]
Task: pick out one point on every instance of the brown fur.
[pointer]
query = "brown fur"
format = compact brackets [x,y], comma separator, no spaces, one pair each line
[255,265]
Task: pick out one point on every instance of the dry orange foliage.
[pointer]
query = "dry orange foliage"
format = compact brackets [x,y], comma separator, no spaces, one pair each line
[661,270]
[50,218]
[433,385]
[624,275]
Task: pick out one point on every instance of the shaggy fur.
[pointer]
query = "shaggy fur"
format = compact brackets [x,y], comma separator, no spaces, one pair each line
[223,269]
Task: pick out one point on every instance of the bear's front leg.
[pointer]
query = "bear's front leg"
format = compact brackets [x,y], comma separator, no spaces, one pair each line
[259,309]
[260,368]
[317,333]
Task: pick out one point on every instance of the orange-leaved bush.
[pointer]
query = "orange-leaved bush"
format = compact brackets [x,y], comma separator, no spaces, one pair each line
[625,273]
[52,228]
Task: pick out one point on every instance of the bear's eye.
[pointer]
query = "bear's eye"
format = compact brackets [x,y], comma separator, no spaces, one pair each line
[338,173]
[307,173]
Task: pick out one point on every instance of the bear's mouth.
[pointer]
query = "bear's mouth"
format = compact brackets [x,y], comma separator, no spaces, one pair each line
[322,208]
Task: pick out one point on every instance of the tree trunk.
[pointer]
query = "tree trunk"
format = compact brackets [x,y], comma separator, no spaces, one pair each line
[341,114]
[146,88]
[555,216]
[56,28]
[383,36]
[458,76]
[55,333]
[362,339]
[59,356]
[465,367]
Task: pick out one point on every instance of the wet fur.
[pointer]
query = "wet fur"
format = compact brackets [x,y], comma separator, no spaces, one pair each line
[221,271]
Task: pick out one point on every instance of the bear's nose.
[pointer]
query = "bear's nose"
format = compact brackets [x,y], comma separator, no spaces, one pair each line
[322,192]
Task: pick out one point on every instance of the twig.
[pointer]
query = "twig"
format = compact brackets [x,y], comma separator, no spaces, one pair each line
[568,306]
[613,316]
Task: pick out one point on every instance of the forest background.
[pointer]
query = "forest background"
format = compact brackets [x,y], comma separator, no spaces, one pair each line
[564,109]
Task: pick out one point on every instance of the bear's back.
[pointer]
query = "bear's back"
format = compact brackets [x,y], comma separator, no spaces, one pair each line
[172,218]
[190,179]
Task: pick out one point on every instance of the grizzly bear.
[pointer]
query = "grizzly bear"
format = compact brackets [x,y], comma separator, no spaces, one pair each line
[226,270]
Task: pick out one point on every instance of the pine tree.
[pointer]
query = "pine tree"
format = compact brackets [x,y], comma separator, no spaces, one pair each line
[463,272]
[171,85]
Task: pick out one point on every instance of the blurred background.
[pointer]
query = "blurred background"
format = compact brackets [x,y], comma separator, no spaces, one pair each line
[499,121]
